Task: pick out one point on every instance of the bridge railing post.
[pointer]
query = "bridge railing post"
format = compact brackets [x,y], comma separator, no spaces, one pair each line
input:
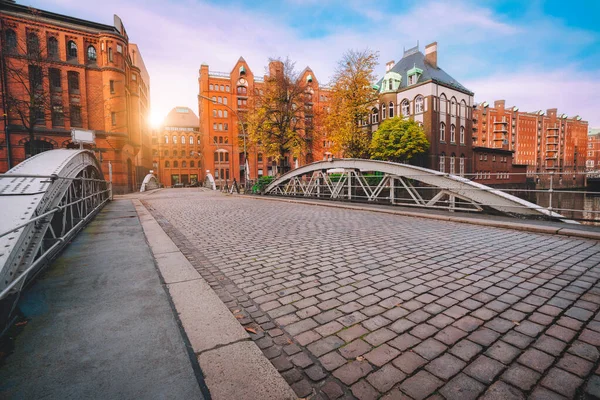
[550,191]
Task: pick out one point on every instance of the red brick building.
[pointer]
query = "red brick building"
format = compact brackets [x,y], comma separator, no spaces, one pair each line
[82,74]
[416,87]
[176,149]
[592,162]
[495,166]
[547,142]
[221,122]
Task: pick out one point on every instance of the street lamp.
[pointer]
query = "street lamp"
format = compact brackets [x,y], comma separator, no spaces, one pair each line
[246,167]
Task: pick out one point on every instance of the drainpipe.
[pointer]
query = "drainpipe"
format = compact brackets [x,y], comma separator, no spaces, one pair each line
[4,89]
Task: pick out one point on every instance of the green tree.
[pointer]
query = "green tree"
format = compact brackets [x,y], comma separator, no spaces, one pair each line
[398,140]
[351,100]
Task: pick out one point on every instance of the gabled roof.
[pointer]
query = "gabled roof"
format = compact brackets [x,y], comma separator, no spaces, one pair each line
[182,117]
[415,60]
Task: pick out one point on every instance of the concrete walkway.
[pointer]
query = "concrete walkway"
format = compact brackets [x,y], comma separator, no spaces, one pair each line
[100,324]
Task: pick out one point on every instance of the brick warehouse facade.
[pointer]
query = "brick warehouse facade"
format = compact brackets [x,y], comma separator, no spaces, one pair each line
[416,87]
[592,162]
[176,149]
[220,123]
[544,141]
[90,77]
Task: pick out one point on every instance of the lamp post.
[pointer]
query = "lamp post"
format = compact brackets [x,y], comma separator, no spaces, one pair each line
[246,169]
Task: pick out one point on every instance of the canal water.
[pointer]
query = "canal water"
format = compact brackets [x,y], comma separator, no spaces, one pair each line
[587,205]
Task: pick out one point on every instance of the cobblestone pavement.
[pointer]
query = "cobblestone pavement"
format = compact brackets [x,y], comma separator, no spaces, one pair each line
[353,304]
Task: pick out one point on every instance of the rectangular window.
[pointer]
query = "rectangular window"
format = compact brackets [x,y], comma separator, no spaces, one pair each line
[119,49]
[35,77]
[112,86]
[260,157]
[113,118]
[55,81]
[75,112]
[110,54]
[73,80]
[57,115]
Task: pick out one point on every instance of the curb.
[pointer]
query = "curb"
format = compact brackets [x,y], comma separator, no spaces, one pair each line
[473,221]
[233,365]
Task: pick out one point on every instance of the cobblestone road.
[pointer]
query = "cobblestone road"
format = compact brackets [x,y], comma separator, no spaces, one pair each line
[348,303]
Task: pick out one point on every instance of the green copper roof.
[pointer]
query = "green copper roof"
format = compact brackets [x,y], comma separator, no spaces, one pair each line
[375,87]
[395,79]
[242,69]
[309,78]
[414,70]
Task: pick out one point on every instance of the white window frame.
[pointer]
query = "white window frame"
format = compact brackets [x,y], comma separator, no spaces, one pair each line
[419,104]
[452,133]
[442,132]
[405,108]
[461,166]
[452,165]
[442,164]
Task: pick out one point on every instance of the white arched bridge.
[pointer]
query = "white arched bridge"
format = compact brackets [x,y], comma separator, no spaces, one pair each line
[44,202]
[400,184]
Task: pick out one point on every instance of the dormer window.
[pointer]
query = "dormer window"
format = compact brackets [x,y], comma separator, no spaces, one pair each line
[242,70]
[413,75]
[390,85]
[309,79]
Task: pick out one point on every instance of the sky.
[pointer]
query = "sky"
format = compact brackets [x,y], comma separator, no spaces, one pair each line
[534,54]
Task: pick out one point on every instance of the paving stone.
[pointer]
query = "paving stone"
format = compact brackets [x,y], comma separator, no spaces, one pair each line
[536,360]
[593,387]
[307,312]
[382,355]
[307,337]
[325,345]
[409,362]
[291,349]
[375,323]
[517,339]
[315,373]
[402,325]
[329,328]
[562,333]
[446,366]
[468,324]
[541,319]
[281,363]
[301,360]
[590,337]
[462,387]
[423,331]
[575,365]
[456,312]
[363,391]
[354,349]
[450,335]
[395,313]
[418,316]
[562,382]
[550,345]
[373,310]
[484,336]
[404,342]
[332,390]
[579,313]
[484,369]
[300,326]
[302,388]
[421,385]
[385,378]
[332,361]
[352,371]
[500,325]
[466,350]
[521,377]
[529,328]
[291,376]
[584,350]
[484,314]
[272,352]
[502,391]
[352,319]
[352,333]
[380,336]
[430,349]
[440,321]
[503,352]
[541,393]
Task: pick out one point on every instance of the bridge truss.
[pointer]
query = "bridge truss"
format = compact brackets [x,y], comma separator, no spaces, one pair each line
[44,202]
[399,184]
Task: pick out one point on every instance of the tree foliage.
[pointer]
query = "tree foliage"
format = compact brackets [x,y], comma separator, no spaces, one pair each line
[398,140]
[277,114]
[351,100]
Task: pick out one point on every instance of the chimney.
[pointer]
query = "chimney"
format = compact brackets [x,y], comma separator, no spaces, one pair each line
[389,65]
[431,54]
[499,104]
[275,68]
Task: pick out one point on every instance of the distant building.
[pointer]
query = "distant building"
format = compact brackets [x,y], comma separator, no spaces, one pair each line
[176,149]
[547,142]
[496,167]
[220,123]
[592,162]
[417,88]
[82,74]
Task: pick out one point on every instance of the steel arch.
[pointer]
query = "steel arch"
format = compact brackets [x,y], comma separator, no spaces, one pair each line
[313,180]
[44,202]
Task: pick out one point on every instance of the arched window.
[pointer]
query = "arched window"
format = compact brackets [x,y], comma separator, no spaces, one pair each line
[225,100]
[33,44]
[71,50]
[383,111]
[52,47]
[166,139]
[167,164]
[174,139]
[191,140]
[226,140]
[211,87]
[442,132]
[220,139]
[242,90]
[215,113]
[219,99]
[216,156]
[442,162]
[175,164]
[192,164]
[11,40]
[73,81]
[461,165]
[405,108]
[375,113]
[183,164]
[391,107]
[452,134]
[182,139]
[166,153]
[462,135]
[91,54]
[214,99]
[443,104]
[220,113]
[453,107]
[222,88]
[215,139]
[463,109]
[198,140]
[227,88]
[225,113]
[174,153]
[419,104]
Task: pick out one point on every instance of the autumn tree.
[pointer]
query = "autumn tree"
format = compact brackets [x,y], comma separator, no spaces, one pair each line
[33,92]
[398,140]
[351,99]
[278,117]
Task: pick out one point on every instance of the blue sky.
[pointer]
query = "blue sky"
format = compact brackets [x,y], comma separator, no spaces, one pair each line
[534,54]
